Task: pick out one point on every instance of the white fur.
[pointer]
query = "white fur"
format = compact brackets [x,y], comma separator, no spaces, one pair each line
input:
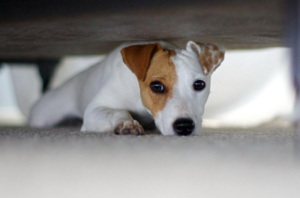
[108,93]
[185,102]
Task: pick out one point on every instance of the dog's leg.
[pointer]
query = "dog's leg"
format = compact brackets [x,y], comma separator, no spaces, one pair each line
[105,119]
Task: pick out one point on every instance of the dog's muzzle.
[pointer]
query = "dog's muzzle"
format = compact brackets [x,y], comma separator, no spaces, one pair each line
[183,126]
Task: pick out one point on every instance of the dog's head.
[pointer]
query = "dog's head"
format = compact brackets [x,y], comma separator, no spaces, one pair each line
[174,84]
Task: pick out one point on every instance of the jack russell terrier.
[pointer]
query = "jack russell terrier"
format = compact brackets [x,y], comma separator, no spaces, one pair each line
[134,84]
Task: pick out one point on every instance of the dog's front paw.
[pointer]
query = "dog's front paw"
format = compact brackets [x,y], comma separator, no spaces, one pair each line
[129,127]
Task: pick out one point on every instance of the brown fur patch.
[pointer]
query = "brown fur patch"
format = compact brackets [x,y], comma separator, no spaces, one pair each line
[216,60]
[138,57]
[210,56]
[221,55]
[161,69]
[215,48]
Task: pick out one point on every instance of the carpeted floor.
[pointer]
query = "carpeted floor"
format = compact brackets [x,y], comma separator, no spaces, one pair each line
[62,162]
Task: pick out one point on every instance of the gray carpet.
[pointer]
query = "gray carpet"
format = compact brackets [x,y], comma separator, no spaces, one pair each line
[62,162]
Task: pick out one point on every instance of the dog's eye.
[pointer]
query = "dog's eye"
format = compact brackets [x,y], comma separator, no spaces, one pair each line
[199,85]
[157,87]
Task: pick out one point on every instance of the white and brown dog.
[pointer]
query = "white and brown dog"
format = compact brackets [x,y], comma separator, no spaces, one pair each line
[134,84]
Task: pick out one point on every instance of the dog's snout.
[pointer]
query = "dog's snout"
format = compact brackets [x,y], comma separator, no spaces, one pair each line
[184,126]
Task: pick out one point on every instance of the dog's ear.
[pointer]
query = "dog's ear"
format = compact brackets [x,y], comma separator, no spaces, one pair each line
[211,55]
[138,58]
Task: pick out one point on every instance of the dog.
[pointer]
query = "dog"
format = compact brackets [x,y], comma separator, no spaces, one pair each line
[134,85]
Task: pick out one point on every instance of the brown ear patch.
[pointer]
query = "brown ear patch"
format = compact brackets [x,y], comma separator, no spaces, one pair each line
[138,58]
[211,57]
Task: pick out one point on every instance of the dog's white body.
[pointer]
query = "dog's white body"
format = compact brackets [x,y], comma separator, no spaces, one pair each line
[108,94]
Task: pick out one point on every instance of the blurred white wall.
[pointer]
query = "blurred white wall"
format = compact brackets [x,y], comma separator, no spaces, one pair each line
[10,114]
[250,88]
[72,65]
[27,86]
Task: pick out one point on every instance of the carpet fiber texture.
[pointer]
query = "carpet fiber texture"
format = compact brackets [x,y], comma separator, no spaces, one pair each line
[63,162]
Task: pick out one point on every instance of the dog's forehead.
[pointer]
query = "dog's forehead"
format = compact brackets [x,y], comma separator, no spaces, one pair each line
[189,63]
[162,65]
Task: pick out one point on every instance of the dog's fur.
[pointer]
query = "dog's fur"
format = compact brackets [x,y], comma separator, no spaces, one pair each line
[115,94]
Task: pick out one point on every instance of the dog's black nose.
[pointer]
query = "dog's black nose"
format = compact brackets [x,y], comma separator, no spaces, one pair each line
[184,126]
